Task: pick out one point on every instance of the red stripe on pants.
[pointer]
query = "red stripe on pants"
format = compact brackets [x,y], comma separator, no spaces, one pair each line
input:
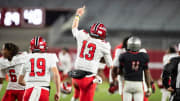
[43,97]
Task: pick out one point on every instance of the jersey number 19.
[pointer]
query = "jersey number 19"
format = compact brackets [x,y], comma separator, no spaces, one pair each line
[40,64]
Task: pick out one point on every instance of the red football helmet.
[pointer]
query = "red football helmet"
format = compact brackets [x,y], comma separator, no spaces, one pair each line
[98,30]
[38,44]
[66,87]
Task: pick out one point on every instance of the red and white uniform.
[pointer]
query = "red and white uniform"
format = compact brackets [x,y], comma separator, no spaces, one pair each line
[65,65]
[12,68]
[65,60]
[37,70]
[117,52]
[89,53]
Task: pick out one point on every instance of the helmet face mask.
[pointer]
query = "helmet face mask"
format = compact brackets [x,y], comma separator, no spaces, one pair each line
[98,30]
[38,44]
[134,44]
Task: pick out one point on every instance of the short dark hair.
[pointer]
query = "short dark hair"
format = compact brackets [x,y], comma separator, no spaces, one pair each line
[172,49]
[14,49]
[66,49]
[125,41]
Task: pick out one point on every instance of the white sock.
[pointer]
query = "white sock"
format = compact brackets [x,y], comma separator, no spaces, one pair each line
[0,86]
[73,99]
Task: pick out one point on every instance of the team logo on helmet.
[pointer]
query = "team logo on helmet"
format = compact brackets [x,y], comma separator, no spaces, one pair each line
[38,44]
[98,30]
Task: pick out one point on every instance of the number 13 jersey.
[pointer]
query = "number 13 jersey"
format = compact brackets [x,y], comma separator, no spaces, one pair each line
[37,69]
[90,51]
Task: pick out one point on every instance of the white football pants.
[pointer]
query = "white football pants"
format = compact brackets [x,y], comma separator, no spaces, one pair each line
[133,89]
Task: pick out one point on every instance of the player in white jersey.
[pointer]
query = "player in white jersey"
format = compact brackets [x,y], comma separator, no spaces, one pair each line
[65,63]
[2,77]
[91,47]
[11,64]
[36,72]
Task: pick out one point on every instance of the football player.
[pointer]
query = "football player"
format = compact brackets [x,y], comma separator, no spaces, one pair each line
[172,70]
[11,64]
[91,47]
[37,70]
[120,49]
[2,77]
[132,65]
[65,63]
[166,58]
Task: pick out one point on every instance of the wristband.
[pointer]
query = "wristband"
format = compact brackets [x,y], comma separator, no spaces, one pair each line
[77,17]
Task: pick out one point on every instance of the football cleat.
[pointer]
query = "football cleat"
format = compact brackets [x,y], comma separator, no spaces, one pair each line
[98,30]
[38,44]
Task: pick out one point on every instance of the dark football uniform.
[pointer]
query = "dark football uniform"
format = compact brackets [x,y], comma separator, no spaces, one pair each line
[172,70]
[133,64]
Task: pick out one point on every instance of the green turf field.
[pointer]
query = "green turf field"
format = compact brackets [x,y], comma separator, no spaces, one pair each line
[100,95]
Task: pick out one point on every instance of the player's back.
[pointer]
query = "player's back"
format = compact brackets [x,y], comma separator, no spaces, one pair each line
[133,65]
[13,70]
[90,51]
[38,67]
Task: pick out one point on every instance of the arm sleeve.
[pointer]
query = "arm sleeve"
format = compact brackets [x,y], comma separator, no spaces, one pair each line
[146,61]
[4,63]
[2,73]
[167,72]
[107,55]
[75,32]
[116,58]
[53,61]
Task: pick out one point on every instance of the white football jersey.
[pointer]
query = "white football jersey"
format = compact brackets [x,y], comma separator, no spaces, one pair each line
[90,51]
[65,60]
[118,52]
[37,69]
[12,68]
[168,57]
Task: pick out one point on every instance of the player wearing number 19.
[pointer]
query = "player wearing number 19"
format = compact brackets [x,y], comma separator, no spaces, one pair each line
[91,47]
[36,72]
[11,64]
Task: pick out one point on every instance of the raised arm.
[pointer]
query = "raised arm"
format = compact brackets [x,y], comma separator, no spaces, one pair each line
[79,13]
